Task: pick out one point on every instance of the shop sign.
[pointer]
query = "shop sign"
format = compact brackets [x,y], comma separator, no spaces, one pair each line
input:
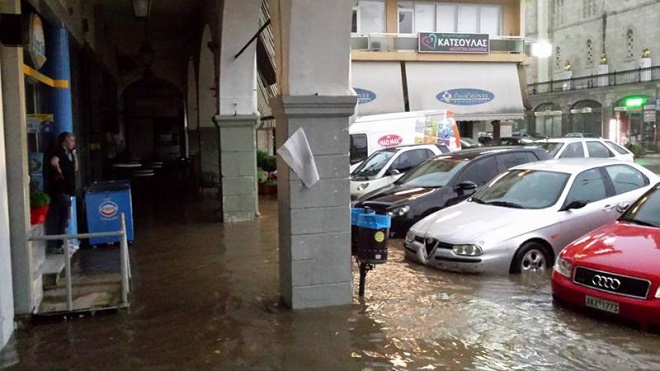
[445,42]
[37,42]
[390,140]
[465,97]
[649,115]
[365,96]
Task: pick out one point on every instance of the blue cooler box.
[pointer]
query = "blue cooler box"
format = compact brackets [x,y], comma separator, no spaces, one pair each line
[104,203]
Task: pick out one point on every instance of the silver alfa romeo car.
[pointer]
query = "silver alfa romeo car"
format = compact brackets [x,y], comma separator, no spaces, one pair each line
[526,215]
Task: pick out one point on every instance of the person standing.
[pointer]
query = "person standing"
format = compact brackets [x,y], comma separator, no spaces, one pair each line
[63,164]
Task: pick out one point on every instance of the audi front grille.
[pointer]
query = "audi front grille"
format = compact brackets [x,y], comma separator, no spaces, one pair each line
[613,283]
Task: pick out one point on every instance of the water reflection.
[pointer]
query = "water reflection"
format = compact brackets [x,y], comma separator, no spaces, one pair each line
[205,297]
[445,320]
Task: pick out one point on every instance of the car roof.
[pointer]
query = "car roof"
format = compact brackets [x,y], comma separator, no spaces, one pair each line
[422,145]
[471,153]
[569,140]
[571,165]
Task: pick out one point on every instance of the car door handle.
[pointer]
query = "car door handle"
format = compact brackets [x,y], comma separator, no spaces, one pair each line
[608,207]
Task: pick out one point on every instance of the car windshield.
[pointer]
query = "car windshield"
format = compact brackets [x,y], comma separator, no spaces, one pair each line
[433,173]
[523,189]
[552,147]
[646,211]
[374,163]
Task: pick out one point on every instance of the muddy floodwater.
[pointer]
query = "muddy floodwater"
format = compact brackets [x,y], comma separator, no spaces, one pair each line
[205,296]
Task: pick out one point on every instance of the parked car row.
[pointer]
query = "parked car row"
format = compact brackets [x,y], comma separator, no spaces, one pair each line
[521,209]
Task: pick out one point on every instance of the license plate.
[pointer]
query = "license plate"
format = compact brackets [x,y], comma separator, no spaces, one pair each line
[605,305]
[453,267]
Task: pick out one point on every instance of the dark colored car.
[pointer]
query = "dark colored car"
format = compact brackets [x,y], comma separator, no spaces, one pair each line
[443,181]
[512,141]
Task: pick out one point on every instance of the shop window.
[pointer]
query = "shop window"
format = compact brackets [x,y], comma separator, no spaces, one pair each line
[354,23]
[449,17]
[468,19]
[630,42]
[369,16]
[446,16]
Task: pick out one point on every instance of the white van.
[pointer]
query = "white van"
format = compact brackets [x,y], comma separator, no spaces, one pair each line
[387,165]
[369,134]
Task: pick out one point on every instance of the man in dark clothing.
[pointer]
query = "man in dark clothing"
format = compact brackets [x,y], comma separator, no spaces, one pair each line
[63,165]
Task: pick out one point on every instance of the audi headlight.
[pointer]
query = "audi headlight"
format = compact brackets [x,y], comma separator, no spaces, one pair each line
[563,267]
[362,186]
[468,250]
[399,211]
[410,237]
[657,293]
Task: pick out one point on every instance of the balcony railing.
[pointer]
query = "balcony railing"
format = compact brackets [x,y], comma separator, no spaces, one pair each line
[387,42]
[635,76]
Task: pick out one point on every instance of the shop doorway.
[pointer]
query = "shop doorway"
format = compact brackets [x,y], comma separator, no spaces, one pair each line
[586,118]
[547,120]
[154,119]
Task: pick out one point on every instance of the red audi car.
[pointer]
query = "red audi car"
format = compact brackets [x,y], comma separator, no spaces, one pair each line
[616,268]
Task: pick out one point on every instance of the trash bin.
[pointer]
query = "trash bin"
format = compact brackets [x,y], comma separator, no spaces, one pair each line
[373,235]
[105,202]
[355,212]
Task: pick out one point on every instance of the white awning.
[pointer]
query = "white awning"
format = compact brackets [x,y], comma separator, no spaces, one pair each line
[474,91]
[379,87]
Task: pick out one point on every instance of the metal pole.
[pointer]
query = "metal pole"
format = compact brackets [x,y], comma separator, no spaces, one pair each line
[123,253]
[363,278]
[67,266]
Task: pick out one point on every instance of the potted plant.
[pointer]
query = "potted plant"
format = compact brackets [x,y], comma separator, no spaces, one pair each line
[266,173]
[39,204]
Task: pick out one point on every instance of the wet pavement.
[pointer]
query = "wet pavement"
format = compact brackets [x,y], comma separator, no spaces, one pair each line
[205,296]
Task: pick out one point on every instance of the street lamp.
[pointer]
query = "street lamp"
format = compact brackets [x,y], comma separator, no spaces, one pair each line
[541,49]
[141,8]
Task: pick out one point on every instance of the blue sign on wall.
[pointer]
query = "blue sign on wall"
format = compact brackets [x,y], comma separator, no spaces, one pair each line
[465,97]
[365,96]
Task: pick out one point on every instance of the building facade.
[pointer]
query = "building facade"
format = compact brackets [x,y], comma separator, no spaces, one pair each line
[415,55]
[601,77]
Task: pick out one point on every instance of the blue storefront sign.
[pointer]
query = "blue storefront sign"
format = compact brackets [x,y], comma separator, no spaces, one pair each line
[365,96]
[465,97]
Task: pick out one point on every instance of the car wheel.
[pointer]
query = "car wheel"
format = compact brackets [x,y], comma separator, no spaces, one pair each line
[531,257]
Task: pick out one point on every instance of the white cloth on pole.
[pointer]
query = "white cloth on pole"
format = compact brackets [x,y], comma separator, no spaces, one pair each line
[298,155]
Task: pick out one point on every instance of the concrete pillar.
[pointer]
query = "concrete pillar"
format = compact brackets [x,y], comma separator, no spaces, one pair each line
[6,291]
[192,111]
[59,68]
[238,116]
[238,163]
[207,134]
[313,64]
[16,159]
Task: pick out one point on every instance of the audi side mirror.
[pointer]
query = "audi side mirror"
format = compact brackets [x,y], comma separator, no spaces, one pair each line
[577,204]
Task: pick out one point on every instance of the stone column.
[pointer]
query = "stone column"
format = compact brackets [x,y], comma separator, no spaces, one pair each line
[238,163]
[313,63]
[6,289]
[15,133]
[238,116]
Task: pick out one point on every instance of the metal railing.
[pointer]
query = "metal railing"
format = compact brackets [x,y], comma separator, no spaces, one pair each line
[635,76]
[68,252]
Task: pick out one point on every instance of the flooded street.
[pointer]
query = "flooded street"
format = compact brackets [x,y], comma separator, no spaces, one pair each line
[205,296]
